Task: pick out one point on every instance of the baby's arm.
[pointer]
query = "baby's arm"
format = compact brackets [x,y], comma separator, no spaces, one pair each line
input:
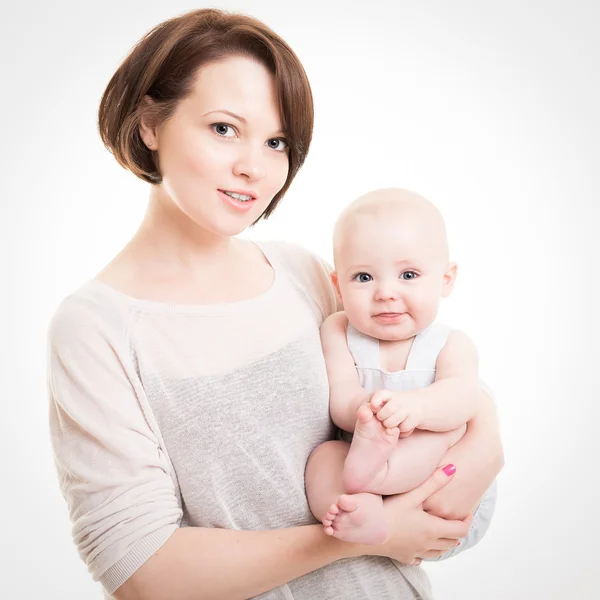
[346,394]
[446,404]
[452,399]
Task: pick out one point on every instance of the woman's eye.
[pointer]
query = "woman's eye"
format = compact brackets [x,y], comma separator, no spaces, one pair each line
[277,144]
[408,275]
[363,277]
[223,129]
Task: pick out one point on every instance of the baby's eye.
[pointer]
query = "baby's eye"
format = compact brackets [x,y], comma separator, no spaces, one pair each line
[408,275]
[278,144]
[222,129]
[363,277]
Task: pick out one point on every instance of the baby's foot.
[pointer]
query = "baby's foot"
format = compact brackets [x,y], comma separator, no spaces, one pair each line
[371,447]
[359,518]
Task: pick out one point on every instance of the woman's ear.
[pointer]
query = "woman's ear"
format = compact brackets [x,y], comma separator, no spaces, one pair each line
[147,127]
[449,279]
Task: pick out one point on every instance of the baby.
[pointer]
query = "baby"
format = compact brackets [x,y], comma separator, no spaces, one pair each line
[403,383]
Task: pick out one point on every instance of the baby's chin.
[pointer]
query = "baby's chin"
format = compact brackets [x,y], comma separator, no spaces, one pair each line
[387,333]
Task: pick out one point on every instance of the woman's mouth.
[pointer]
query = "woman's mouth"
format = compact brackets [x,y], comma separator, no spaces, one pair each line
[239,200]
[241,197]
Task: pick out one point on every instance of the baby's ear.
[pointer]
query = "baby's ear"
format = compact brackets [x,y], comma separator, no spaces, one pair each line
[336,284]
[449,279]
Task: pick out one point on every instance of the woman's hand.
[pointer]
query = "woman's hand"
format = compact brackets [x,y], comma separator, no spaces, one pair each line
[478,457]
[415,534]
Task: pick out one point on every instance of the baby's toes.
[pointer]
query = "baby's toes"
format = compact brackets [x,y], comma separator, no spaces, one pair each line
[364,414]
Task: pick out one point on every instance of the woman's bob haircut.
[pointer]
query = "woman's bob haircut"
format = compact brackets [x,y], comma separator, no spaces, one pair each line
[163,66]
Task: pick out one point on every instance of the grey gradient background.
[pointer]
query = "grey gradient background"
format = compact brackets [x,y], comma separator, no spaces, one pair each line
[489,109]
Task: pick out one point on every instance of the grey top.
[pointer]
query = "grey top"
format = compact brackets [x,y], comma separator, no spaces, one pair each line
[165,416]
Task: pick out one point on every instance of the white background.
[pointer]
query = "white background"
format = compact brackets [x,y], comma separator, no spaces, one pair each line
[488,109]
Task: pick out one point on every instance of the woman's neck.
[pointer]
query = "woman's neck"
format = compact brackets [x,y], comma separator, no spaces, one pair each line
[172,241]
[172,259]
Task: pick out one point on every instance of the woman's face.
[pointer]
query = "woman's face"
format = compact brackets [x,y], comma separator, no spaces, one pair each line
[225,138]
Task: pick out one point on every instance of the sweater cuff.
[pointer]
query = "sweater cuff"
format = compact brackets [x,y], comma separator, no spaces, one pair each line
[121,571]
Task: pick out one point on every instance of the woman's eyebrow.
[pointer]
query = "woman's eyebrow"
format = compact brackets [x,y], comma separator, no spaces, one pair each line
[227,112]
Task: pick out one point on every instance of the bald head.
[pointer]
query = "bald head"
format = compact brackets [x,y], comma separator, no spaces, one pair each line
[408,213]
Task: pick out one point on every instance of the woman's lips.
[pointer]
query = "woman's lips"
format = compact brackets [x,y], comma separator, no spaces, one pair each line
[241,206]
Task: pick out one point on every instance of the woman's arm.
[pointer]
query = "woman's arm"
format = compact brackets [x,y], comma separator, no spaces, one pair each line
[478,457]
[479,526]
[205,564]
[112,469]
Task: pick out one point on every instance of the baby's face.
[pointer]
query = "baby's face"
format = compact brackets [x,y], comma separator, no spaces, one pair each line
[391,275]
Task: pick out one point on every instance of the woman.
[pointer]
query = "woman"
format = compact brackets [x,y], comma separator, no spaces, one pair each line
[187,381]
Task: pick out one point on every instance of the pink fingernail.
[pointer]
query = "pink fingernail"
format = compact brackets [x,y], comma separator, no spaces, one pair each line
[449,470]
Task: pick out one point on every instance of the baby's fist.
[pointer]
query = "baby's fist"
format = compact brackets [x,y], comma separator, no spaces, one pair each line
[397,409]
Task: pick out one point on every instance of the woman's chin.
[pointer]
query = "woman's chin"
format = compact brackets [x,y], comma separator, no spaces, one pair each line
[224,226]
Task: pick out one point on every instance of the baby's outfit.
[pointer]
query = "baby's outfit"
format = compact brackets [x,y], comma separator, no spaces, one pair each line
[418,373]
[420,364]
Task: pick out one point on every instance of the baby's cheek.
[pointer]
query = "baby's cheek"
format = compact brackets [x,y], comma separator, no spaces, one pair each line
[358,309]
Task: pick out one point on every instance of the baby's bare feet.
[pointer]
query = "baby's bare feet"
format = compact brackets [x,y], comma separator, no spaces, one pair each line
[359,518]
[371,447]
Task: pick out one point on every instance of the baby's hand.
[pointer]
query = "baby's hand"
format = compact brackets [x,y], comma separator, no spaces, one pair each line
[397,409]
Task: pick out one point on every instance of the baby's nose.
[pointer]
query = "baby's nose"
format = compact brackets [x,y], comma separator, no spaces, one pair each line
[387,291]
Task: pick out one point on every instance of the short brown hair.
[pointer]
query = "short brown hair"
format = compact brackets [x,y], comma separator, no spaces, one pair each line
[163,66]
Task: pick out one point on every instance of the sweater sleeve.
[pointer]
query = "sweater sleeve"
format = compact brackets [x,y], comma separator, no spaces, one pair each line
[112,470]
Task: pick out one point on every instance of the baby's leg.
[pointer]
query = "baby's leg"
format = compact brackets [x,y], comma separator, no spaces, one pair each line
[356,518]
[413,460]
[372,446]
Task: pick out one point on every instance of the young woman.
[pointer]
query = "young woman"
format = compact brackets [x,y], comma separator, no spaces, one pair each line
[187,382]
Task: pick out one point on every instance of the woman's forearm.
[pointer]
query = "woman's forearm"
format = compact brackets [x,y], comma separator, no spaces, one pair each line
[204,564]
[478,458]
[479,526]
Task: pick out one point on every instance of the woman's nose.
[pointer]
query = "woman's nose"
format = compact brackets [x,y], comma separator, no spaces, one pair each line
[250,164]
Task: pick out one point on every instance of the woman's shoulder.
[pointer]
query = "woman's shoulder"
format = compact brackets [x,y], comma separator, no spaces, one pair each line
[93,308]
[294,255]
[310,272]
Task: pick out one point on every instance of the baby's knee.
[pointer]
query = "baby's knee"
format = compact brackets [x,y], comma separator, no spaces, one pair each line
[326,459]
[328,453]
[457,434]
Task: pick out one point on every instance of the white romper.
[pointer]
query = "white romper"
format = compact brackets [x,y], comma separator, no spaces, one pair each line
[418,373]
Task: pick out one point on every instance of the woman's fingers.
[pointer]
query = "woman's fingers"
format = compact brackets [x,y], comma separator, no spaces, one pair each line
[455,530]
[437,481]
[433,553]
[443,545]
